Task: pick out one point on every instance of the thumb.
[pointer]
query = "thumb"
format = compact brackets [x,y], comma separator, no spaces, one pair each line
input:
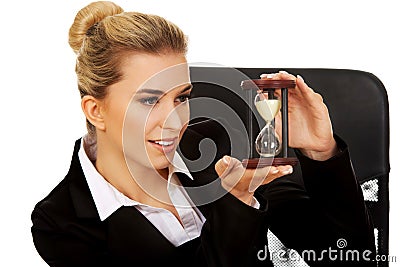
[222,165]
[228,165]
[278,125]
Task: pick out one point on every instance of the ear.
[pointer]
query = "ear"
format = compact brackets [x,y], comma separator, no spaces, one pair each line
[93,109]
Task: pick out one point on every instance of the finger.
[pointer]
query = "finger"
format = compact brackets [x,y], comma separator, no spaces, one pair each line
[261,174]
[268,75]
[259,177]
[281,75]
[284,169]
[231,171]
[284,75]
[269,174]
[303,87]
[311,96]
[278,172]
[297,93]
[300,92]
[221,166]
[278,125]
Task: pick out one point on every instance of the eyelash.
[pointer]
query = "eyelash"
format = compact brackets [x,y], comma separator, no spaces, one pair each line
[150,101]
[185,98]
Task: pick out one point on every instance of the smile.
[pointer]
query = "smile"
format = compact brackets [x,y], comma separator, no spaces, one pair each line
[165,145]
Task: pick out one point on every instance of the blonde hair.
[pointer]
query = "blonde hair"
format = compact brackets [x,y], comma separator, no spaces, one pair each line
[102,33]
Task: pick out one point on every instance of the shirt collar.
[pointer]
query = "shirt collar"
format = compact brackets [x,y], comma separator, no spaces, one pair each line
[178,166]
[106,197]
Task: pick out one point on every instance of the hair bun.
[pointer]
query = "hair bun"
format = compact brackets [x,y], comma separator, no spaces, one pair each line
[87,17]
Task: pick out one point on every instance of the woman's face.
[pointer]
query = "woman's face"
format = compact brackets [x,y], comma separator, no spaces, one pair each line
[148,110]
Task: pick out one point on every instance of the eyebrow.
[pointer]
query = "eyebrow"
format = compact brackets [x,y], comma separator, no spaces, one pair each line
[160,92]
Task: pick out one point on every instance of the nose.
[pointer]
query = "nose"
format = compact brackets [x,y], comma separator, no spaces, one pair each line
[175,117]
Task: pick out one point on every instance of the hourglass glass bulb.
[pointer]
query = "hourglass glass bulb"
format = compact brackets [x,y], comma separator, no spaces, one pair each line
[267,107]
[267,142]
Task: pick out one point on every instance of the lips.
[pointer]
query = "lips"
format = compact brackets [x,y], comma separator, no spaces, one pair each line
[165,145]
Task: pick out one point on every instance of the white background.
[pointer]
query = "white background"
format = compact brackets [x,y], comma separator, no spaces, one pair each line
[40,109]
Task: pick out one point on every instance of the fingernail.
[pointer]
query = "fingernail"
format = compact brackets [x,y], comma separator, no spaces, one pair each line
[301,78]
[287,171]
[282,71]
[267,75]
[226,159]
[275,171]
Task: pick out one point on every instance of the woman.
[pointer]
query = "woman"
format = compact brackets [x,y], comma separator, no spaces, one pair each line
[122,202]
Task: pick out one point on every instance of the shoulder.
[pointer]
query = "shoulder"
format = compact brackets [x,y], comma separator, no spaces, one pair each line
[54,208]
[61,204]
[57,194]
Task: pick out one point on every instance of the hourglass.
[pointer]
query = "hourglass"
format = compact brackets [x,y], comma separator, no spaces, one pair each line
[268,145]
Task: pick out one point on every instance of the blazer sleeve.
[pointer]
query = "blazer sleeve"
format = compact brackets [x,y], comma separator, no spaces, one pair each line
[334,186]
[331,210]
[58,248]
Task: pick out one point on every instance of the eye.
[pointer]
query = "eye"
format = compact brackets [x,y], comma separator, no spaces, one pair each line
[183,98]
[150,101]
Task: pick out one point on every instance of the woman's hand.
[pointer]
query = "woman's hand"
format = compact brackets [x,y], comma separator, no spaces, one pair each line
[242,182]
[310,128]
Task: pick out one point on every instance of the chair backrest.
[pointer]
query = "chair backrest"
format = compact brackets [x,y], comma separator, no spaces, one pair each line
[358,106]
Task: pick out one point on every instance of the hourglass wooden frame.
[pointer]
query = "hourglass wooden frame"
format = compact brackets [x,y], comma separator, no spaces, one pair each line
[270,86]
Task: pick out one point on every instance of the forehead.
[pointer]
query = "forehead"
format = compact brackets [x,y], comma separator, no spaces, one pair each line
[160,72]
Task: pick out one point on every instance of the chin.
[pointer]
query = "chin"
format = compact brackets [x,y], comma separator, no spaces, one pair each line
[159,159]
[150,164]
[161,162]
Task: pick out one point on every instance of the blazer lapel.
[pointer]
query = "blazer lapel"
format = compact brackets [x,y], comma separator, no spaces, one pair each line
[129,231]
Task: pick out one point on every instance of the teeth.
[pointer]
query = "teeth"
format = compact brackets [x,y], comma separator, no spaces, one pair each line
[164,143]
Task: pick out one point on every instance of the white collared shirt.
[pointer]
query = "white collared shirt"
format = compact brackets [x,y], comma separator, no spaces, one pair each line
[108,199]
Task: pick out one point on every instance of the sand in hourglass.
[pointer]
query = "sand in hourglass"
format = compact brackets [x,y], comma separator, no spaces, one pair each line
[268,108]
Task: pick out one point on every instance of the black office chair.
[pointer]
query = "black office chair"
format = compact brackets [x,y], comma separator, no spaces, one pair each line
[358,105]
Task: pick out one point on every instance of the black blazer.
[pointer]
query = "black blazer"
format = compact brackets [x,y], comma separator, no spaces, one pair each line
[329,206]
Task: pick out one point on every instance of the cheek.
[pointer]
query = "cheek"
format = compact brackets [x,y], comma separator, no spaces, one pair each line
[133,130]
[114,120]
[183,131]
[184,113]
[150,122]
[138,127]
